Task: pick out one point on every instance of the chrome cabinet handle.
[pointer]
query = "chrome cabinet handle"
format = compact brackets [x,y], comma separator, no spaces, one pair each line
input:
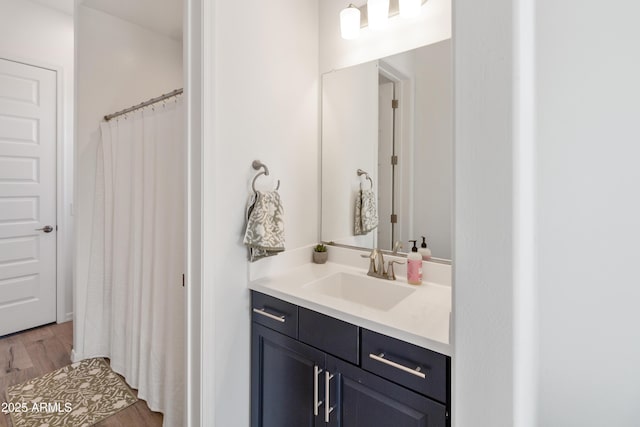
[262,312]
[316,404]
[328,409]
[46,229]
[380,358]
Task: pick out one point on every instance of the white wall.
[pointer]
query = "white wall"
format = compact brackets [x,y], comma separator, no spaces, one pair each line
[44,37]
[546,214]
[119,64]
[265,92]
[433,25]
[483,293]
[588,212]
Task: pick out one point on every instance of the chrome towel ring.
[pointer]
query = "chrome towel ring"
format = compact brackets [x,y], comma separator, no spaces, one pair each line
[257,165]
[360,172]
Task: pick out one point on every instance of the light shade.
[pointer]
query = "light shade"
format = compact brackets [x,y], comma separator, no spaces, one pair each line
[377,13]
[350,22]
[410,8]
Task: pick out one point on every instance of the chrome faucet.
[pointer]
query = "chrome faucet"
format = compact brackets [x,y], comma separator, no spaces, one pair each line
[373,268]
[377,267]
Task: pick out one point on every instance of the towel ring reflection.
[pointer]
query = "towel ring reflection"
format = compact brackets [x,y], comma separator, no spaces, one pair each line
[257,165]
[360,172]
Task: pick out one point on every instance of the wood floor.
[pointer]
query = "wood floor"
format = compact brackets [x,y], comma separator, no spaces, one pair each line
[39,351]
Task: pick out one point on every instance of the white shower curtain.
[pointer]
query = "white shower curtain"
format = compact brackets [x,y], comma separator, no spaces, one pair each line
[134,311]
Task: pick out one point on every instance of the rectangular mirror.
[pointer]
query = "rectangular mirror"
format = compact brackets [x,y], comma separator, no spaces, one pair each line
[387,151]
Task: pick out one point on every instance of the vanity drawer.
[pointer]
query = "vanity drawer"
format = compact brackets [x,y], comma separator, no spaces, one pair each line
[338,338]
[274,313]
[414,367]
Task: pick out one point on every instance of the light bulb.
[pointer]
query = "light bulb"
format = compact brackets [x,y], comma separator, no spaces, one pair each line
[377,13]
[410,8]
[350,22]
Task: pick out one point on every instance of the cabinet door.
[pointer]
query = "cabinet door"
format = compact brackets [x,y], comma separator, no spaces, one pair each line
[284,381]
[362,399]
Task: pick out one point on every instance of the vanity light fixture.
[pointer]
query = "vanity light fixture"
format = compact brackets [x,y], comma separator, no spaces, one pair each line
[378,13]
[375,14]
[350,22]
[410,8]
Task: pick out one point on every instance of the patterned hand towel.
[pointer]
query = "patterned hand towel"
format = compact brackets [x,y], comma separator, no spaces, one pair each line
[366,213]
[264,235]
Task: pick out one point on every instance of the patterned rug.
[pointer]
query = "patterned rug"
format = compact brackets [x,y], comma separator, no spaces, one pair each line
[81,394]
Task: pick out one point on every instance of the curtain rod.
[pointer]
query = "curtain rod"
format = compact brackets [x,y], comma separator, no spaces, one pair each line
[144,104]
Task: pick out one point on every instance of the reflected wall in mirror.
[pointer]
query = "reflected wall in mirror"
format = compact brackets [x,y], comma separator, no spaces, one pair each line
[391,118]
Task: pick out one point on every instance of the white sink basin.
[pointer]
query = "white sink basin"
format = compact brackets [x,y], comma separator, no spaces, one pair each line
[368,291]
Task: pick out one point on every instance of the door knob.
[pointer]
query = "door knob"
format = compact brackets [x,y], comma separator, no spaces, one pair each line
[46,229]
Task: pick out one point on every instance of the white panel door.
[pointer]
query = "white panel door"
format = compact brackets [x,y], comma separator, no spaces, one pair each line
[27,196]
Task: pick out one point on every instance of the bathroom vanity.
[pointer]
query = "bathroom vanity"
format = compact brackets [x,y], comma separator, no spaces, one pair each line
[323,356]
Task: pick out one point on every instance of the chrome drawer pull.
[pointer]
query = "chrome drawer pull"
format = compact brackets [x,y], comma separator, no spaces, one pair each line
[380,358]
[316,404]
[269,315]
[328,409]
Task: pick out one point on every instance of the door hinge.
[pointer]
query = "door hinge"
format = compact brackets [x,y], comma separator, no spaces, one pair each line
[394,219]
[395,103]
[183,280]
[394,160]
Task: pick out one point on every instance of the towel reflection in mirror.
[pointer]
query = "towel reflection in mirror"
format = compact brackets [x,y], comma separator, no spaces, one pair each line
[366,212]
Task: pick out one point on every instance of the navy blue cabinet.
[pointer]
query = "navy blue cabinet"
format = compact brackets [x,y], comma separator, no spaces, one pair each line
[361,399]
[301,377]
[283,388]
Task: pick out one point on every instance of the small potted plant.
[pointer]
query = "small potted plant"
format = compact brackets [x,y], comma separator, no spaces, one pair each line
[320,254]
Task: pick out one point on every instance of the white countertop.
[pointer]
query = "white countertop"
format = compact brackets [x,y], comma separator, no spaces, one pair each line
[422,318]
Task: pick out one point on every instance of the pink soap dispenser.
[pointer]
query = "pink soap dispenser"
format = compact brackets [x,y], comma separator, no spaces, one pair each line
[414,265]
